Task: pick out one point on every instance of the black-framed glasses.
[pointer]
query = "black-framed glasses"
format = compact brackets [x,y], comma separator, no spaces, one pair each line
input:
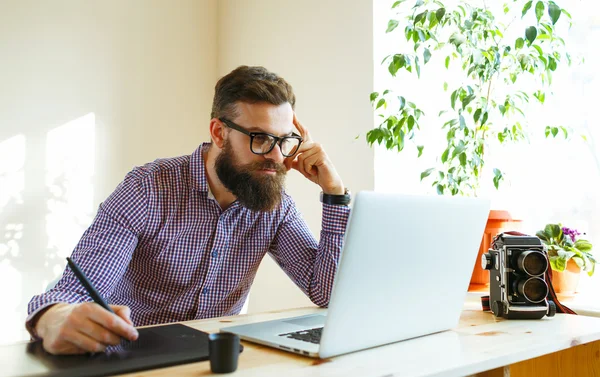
[263,143]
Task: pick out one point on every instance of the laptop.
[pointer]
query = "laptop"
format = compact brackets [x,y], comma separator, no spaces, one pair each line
[404,272]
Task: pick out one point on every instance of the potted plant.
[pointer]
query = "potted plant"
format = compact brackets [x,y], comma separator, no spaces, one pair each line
[486,104]
[569,255]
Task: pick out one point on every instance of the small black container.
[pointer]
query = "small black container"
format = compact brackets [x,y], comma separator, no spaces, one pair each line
[224,350]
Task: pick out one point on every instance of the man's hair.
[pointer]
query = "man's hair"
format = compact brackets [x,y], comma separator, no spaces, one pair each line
[251,85]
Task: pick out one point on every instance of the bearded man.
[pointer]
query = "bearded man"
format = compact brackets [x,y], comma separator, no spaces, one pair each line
[182,238]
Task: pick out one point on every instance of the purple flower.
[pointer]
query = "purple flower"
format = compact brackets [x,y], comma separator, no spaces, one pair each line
[573,233]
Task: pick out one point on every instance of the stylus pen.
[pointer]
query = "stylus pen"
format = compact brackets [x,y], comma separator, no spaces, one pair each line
[88,286]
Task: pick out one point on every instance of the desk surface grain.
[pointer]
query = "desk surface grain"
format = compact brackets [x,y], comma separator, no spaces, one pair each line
[479,343]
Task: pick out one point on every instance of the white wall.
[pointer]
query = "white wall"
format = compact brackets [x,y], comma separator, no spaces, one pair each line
[324,49]
[88,89]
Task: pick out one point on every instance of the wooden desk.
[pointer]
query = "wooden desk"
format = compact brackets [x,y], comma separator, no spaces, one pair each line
[480,345]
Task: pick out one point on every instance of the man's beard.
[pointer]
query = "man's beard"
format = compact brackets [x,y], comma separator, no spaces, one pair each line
[256,191]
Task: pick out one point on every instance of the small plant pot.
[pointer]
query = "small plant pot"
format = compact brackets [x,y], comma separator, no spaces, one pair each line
[566,282]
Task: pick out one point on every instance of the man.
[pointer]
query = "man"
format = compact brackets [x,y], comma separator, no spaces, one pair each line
[182,238]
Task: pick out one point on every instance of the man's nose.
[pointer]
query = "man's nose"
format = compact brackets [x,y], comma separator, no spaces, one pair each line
[275,154]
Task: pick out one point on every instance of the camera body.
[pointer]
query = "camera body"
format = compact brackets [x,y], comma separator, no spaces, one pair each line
[518,286]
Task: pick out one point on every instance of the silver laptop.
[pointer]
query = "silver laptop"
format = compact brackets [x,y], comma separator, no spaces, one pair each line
[404,272]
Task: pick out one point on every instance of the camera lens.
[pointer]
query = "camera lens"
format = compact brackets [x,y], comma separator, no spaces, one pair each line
[533,289]
[532,262]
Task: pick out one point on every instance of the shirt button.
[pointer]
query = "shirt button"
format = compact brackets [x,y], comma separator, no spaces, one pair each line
[214,254]
[204,291]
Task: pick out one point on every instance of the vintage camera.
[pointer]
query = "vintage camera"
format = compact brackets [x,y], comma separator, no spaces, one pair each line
[518,286]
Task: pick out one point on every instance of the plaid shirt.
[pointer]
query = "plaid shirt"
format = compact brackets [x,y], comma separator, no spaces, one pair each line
[161,244]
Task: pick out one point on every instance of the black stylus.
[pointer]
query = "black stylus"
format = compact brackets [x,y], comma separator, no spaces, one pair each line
[88,286]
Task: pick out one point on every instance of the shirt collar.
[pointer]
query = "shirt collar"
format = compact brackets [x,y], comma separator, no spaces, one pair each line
[198,169]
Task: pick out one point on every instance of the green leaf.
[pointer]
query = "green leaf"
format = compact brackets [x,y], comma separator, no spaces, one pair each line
[380,103]
[426,173]
[397,3]
[496,181]
[461,120]
[417,66]
[453,98]
[502,109]
[583,245]
[519,43]
[552,63]
[554,12]
[440,189]
[467,100]
[410,122]
[558,264]
[541,235]
[460,148]
[374,96]
[457,39]
[392,24]
[426,56]
[526,8]
[541,96]
[531,34]
[447,62]
[463,159]
[552,230]
[418,4]
[420,17]
[554,131]
[539,10]
[485,118]
[445,86]
[439,14]
[420,149]
[445,155]
[547,131]
[497,172]
[476,115]
[501,137]
[402,102]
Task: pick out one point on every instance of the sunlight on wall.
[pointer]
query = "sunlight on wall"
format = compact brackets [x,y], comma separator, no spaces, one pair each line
[12,185]
[69,173]
[66,209]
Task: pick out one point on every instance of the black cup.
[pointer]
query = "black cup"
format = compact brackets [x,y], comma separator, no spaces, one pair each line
[224,350]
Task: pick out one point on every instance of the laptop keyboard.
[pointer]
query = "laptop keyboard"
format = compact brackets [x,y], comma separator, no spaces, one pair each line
[311,335]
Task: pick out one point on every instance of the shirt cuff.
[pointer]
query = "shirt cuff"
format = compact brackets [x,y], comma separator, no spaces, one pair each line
[32,319]
[335,218]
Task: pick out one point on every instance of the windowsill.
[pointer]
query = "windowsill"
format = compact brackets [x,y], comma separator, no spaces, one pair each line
[586,303]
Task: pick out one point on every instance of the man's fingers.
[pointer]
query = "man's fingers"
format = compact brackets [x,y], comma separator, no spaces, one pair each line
[310,164]
[123,312]
[111,322]
[300,164]
[98,333]
[303,130]
[84,342]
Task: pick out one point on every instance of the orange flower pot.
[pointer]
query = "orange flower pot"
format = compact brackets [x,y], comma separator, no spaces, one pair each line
[566,282]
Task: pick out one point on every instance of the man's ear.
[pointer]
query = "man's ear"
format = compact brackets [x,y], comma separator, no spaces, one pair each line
[217,132]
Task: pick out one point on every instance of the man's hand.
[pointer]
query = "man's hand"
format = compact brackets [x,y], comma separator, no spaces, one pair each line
[312,161]
[85,327]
